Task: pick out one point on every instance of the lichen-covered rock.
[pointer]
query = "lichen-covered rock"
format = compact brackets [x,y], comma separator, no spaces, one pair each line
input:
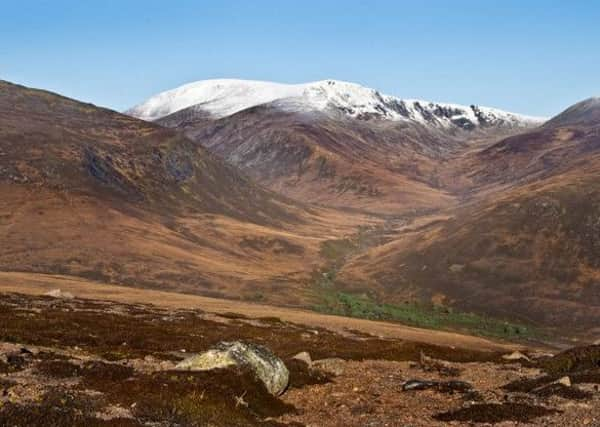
[266,366]
[334,365]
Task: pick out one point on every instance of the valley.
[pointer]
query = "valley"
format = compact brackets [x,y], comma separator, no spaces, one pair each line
[299,214]
[480,199]
[384,252]
[328,196]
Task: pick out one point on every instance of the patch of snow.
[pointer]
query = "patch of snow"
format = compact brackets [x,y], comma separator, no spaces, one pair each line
[223,97]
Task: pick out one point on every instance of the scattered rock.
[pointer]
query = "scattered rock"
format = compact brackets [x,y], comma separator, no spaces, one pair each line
[304,357]
[566,381]
[333,366]
[564,391]
[266,366]
[456,268]
[302,375]
[57,293]
[535,355]
[6,348]
[29,351]
[516,355]
[442,386]
[418,385]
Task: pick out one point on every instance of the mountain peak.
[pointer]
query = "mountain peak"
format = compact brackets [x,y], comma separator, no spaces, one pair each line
[224,97]
[586,111]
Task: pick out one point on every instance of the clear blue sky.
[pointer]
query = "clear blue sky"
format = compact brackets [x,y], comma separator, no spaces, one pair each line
[534,57]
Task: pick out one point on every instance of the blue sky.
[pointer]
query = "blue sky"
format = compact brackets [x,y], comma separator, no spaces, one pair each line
[533,57]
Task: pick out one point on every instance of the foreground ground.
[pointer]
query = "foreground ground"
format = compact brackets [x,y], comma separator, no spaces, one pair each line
[90,362]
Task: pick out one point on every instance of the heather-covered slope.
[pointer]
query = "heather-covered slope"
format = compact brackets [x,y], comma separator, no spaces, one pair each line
[330,142]
[379,166]
[526,245]
[51,142]
[90,192]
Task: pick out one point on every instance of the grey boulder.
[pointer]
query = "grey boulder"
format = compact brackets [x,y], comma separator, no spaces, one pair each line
[267,367]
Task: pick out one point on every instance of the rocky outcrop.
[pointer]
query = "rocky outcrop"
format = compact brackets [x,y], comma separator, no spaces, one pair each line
[266,366]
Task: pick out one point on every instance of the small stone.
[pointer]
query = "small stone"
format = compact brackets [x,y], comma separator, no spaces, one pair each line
[57,293]
[442,386]
[456,268]
[418,385]
[303,356]
[516,355]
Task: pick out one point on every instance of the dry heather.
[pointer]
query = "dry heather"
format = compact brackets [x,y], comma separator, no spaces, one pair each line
[91,362]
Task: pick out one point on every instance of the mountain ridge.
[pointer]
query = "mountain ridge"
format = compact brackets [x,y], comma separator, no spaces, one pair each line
[224,97]
[333,143]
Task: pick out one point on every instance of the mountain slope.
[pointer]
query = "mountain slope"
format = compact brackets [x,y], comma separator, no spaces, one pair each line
[332,143]
[564,142]
[383,167]
[584,112]
[87,191]
[53,142]
[526,245]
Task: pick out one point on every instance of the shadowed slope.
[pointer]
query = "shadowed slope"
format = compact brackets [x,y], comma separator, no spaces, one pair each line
[56,143]
[380,166]
[333,143]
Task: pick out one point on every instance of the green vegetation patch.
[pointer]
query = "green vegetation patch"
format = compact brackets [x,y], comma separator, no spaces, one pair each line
[432,317]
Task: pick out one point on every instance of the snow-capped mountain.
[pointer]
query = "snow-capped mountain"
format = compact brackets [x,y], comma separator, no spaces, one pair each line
[223,97]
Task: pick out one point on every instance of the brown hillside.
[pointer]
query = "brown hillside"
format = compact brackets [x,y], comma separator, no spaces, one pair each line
[90,192]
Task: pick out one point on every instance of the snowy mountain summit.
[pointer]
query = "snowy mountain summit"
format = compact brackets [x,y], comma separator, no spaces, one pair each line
[223,97]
